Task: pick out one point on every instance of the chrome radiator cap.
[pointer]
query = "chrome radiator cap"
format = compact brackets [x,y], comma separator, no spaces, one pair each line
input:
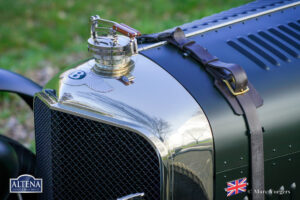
[111,51]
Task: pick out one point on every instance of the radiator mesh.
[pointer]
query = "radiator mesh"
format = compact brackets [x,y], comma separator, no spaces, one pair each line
[83,159]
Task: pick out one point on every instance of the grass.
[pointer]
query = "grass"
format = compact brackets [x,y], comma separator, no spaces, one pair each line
[36,30]
[36,33]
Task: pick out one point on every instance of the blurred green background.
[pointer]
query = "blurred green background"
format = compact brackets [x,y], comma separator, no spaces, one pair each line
[39,37]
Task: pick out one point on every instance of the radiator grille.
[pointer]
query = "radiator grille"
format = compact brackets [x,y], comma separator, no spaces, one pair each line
[82,159]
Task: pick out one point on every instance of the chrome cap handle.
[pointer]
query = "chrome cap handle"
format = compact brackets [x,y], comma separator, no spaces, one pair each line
[106,27]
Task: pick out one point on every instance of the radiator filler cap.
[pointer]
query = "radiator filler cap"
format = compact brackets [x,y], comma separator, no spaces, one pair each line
[112,52]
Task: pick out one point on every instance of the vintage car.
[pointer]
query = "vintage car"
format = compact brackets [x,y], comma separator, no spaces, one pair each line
[207,110]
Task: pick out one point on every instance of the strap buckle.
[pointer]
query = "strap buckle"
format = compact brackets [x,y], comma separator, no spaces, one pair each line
[242,91]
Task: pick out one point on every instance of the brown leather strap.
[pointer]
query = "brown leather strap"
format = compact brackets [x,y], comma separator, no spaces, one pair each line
[257,151]
[232,82]
[221,69]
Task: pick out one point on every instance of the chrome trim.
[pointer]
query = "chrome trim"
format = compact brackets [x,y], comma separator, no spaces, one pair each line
[227,23]
[155,106]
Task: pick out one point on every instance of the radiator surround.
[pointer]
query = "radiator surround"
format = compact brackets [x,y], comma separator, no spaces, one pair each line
[157,108]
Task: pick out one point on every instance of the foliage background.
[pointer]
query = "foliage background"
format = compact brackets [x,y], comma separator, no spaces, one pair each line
[39,37]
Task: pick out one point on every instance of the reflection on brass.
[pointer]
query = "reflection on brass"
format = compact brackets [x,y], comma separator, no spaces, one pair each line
[156,107]
[116,72]
[187,173]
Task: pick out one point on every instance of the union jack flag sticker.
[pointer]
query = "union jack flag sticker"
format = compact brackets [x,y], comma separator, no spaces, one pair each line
[236,186]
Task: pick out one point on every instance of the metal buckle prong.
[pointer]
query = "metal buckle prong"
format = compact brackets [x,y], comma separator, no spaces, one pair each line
[243,91]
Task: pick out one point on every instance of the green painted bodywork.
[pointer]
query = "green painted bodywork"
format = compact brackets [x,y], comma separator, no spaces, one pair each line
[278,84]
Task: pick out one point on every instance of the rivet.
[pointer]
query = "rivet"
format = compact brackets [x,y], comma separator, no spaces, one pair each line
[225,162]
[246,198]
[290,146]
[270,192]
[293,186]
[242,158]
[281,188]
[241,171]
[185,54]
[225,176]
[273,164]
[274,150]
[289,159]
